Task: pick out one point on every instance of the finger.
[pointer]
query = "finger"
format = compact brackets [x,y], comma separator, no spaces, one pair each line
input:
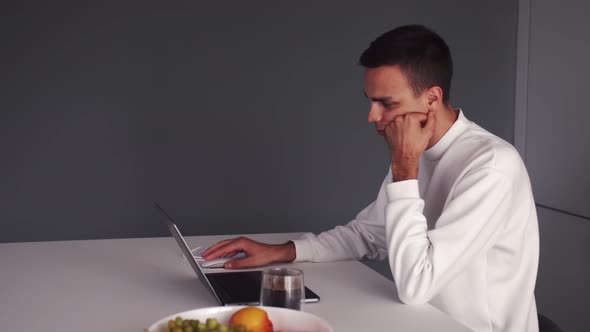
[430,121]
[417,117]
[390,127]
[222,251]
[243,263]
[235,245]
[214,247]
[398,120]
[232,254]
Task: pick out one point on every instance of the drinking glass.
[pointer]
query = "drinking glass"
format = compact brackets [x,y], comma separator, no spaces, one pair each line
[282,287]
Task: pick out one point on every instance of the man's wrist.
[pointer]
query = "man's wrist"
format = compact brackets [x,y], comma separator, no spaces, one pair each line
[406,170]
[286,252]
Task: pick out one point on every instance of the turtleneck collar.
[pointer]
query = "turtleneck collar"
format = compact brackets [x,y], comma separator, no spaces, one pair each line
[458,127]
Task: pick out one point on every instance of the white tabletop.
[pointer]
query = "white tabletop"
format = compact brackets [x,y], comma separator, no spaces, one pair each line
[127,284]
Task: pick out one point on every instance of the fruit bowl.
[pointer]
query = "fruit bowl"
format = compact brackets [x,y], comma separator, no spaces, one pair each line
[283,320]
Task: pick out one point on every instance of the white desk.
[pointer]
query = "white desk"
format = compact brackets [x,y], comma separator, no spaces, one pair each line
[126,284]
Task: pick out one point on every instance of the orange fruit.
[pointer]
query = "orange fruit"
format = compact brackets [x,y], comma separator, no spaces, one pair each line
[253,318]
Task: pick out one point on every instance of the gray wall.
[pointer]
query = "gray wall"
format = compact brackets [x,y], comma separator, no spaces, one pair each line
[238,117]
[555,134]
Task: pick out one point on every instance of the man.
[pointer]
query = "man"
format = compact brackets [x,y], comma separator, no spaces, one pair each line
[455,215]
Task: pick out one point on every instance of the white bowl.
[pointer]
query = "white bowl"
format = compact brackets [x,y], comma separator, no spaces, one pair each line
[283,320]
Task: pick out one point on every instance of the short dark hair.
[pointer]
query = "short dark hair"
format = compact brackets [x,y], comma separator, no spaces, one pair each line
[421,53]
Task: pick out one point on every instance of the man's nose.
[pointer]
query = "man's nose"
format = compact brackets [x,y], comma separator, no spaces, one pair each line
[375,114]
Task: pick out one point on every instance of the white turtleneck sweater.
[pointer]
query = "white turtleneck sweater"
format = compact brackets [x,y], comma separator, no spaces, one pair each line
[463,236]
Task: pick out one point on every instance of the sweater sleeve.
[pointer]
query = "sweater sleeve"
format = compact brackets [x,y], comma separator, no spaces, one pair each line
[362,237]
[422,262]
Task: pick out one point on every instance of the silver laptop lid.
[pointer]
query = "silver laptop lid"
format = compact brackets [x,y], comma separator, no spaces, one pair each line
[187,253]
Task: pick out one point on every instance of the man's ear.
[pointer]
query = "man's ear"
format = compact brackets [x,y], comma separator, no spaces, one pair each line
[434,97]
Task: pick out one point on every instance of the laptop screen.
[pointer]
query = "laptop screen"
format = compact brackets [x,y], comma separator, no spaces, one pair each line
[186,251]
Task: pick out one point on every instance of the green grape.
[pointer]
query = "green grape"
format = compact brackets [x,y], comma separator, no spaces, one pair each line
[202,327]
[223,328]
[179,321]
[195,323]
[166,329]
[188,329]
[212,323]
[171,324]
[177,329]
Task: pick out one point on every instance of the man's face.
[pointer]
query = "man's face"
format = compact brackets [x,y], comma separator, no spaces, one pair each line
[390,95]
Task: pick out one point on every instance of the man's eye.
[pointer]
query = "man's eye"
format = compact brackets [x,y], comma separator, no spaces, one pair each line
[388,105]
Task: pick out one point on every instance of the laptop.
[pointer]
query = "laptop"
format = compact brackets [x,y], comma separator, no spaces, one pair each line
[228,288]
